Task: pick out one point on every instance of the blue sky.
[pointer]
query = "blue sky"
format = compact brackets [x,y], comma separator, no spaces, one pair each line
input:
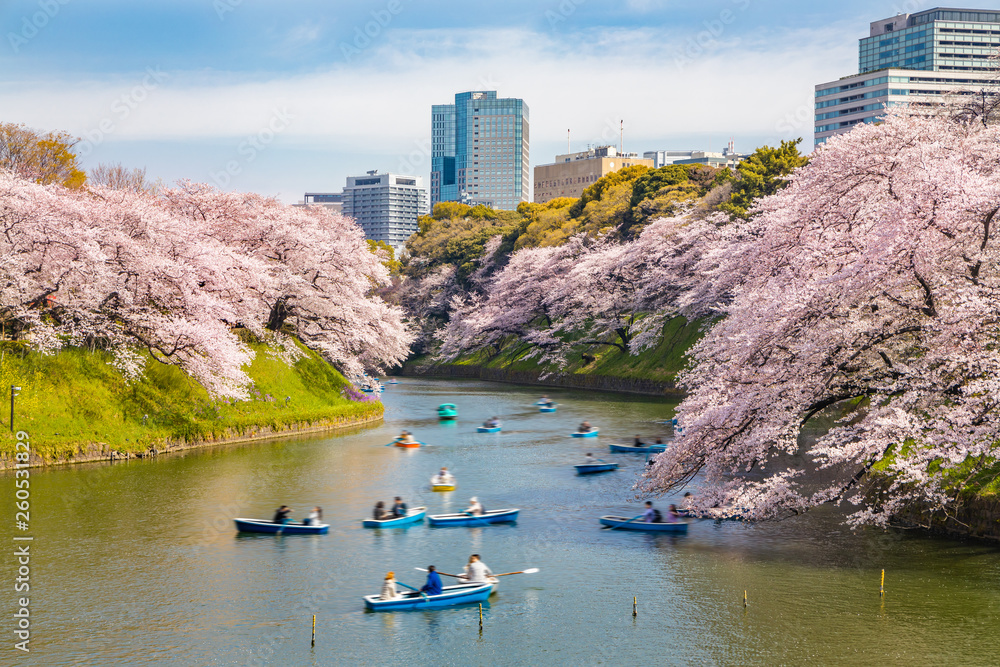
[287,97]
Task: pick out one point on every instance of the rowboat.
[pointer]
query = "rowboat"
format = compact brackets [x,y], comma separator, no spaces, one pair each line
[407,445]
[415,515]
[629,449]
[592,433]
[439,483]
[290,528]
[447,411]
[488,429]
[624,523]
[591,468]
[450,595]
[492,516]
[392,381]
[547,408]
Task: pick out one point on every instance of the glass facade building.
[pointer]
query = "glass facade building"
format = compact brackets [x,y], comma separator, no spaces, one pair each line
[479,150]
[915,59]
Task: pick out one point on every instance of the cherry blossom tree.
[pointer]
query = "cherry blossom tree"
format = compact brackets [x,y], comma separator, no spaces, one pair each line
[869,290]
[174,274]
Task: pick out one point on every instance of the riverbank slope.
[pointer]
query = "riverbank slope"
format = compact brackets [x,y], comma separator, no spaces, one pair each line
[598,367]
[76,407]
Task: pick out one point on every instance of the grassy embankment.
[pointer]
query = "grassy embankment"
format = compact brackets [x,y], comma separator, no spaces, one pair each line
[74,401]
[660,364]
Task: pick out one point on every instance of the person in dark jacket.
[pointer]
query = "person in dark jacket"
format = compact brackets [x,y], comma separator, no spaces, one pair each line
[433,585]
[281,514]
[399,507]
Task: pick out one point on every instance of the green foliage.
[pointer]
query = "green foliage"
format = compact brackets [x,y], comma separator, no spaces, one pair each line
[43,158]
[390,262]
[596,191]
[660,192]
[762,174]
[75,398]
[456,234]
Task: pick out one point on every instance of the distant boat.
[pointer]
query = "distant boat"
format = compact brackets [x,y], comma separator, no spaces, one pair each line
[646,449]
[392,381]
[547,408]
[592,433]
[447,411]
[291,528]
[488,429]
[450,595]
[439,483]
[591,468]
[492,516]
[407,445]
[624,523]
[415,515]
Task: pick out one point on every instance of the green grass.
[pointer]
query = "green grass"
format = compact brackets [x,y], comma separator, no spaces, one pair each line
[75,399]
[661,363]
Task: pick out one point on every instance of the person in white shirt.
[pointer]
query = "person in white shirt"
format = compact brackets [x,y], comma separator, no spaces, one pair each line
[476,571]
[475,509]
[590,458]
[315,517]
[389,588]
[443,477]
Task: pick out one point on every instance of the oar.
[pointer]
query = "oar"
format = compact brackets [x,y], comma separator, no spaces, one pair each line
[619,526]
[439,572]
[422,594]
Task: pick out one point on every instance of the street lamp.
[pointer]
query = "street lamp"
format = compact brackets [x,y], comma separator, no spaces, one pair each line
[14,391]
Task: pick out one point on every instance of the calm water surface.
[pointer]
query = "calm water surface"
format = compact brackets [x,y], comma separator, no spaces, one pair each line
[137,563]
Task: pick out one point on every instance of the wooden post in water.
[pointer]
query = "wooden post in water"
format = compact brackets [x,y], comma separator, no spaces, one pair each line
[881,586]
[480,616]
[744,599]
[314,631]
[635,602]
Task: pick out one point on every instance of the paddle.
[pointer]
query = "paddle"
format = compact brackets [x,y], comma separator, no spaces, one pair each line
[422,594]
[620,525]
[530,570]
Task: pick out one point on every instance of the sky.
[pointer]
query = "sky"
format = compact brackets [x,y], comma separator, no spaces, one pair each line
[289,97]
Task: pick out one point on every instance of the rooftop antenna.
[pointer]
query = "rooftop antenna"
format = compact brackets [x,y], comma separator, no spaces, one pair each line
[567,142]
[621,137]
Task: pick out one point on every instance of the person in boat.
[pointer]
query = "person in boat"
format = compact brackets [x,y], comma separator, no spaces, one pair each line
[398,507]
[638,441]
[475,508]
[672,515]
[281,514]
[315,517]
[380,514]
[659,441]
[585,427]
[545,401]
[591,459]
[651,515]
[433,585]
[389,588]
[406,438]
[475,572]
[492,422]
[443,477]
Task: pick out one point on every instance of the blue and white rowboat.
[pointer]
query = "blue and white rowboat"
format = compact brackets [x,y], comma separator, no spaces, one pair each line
[492,516]
[629,449]
[623,523]
[591,468]
[415,515]
[291,528]
[592,433]
[547,408]
[488,429]
[450,595]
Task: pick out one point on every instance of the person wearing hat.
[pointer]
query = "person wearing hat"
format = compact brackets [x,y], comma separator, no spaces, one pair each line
[475,509]
[389,588]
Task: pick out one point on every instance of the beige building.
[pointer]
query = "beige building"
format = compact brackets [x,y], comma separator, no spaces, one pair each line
[571,174]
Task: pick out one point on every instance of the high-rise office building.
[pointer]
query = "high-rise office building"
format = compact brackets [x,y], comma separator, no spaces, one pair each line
[917,59]
[386,206]
[479,150]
